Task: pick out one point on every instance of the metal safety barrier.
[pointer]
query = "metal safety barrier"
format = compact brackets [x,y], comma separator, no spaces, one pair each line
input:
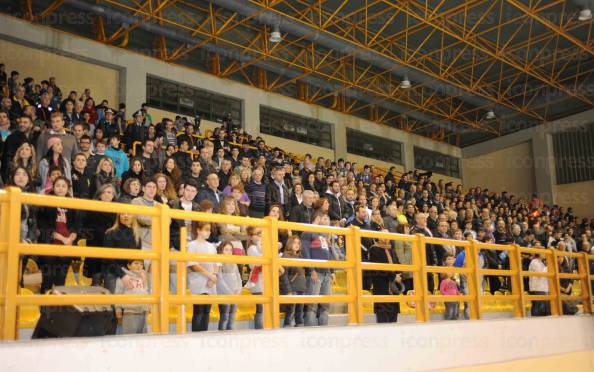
[160,298]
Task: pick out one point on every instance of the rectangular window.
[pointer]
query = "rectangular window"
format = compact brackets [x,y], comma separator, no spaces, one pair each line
[437,162]
[189,101]
[295,127]
[374,147]
[574,155]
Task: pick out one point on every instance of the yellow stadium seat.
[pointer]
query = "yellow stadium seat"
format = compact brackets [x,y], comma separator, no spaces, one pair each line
[28,314]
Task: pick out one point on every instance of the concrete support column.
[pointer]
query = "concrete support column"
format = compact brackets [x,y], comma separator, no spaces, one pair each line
[251,116]
[340,141]
[408,155]
[132,89]
[544,165]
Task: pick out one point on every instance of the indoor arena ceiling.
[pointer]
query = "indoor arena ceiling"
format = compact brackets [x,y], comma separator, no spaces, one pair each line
[527,61]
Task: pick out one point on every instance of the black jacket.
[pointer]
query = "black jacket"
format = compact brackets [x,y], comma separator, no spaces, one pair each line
[208,193]
[10,147]
[177,224]
[93,229]
[120,237]
[336,208]
[150,166]
[302,214]
[82,184]
[273,195]
[134,132]
[184,162]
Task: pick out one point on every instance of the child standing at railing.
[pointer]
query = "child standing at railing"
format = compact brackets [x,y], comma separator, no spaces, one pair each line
[228,283]
[255,284]
[296,279]
[133,316]
[202,276]
[449,286]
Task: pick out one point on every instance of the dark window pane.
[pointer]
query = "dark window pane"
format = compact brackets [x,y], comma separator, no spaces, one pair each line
[436,162]
[294,127]
[186,100]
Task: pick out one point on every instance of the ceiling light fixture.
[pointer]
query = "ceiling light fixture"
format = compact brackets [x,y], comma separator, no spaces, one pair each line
[490,115]
[275,35]
[585,15]
[405,84]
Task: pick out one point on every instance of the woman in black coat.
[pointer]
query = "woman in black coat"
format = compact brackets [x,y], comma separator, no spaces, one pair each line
[56,226]
[96,224]
[125,233]
[382,252]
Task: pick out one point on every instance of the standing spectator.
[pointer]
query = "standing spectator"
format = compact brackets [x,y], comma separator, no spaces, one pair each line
[53,158]
[449,286]
[539,285]
[256,190]
[14,141]
[150,162]
[385,282]
[277,192]
[315,246]
[296,283]
[135,132]
[56,226]
[133,316]
[303,213]
[211,192]
[117,156]
[95,226]
[202,276]
[57,130]
[228,283]
[420,227]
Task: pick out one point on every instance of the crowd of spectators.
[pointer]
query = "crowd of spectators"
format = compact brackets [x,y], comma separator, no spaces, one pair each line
[74,146]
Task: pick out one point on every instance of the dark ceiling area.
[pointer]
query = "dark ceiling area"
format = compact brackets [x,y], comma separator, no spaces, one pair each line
[477,69]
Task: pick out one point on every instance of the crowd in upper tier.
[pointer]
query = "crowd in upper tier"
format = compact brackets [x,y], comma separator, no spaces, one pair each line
[73,145]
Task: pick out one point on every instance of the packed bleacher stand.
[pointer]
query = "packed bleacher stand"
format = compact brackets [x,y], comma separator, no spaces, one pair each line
[76,146]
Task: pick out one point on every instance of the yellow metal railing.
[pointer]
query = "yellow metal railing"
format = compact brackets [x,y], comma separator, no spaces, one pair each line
[160,299]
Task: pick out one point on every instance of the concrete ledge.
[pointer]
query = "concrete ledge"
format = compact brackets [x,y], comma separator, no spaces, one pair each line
[404,347]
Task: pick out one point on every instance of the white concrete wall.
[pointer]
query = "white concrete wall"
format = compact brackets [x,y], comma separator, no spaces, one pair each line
[397,347]
[134,67]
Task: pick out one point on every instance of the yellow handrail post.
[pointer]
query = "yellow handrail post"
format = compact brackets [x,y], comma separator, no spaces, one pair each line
[12,261]
[516,281]
[520,278]
[181,278]
[474,285]
[586,284]
[164,222]
[423,290]
[554,288]
[274,272]
[155,271]
[267,274]
[351,278]
[356,241]
[4,214]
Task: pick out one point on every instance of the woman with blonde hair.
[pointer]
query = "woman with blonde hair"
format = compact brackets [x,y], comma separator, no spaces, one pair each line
[25,157]
[165,188]
[231,232]
[125,233]
[104,174]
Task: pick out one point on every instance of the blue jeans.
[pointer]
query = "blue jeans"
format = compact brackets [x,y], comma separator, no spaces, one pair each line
[294,312]
[317,314]
[451,310]
[227,316]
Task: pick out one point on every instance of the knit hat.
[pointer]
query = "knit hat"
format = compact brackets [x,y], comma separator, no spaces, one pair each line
[52,141]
